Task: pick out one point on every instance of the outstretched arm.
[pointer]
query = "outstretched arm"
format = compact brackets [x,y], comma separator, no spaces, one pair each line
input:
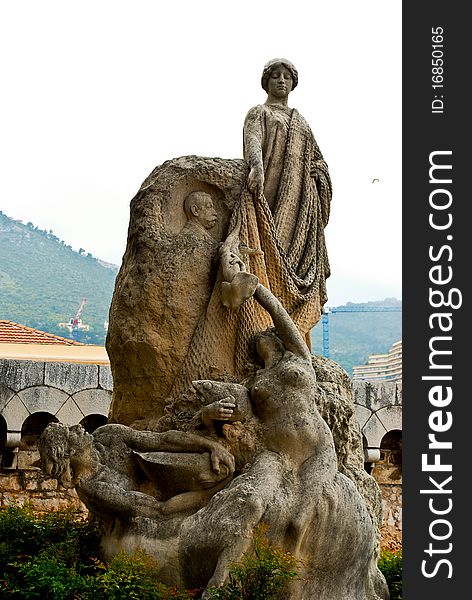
[179,441]
[286,328]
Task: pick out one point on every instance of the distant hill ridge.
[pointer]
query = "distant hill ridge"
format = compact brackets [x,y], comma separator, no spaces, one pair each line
[353,336]
[43,280]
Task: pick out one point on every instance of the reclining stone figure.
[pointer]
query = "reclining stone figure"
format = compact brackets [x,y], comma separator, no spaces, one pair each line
[104,468]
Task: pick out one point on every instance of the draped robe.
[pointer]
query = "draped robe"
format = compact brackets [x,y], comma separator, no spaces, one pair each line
[286,228]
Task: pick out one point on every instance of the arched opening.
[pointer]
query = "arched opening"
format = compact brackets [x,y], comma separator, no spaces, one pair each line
[92,422]
[391,447]
[33,427]
[389,467]
[3,439]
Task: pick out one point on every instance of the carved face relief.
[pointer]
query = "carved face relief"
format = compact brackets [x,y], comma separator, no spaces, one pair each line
[79,439]
[280,82]
[205,212]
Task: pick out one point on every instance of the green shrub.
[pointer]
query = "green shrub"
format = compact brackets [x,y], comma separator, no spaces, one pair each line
[22,532]
[44,556]
[129,578]
[261,575]
[53,557]
[390,563]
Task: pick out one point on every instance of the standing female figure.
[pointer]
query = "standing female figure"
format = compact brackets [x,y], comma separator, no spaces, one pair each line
[291,194]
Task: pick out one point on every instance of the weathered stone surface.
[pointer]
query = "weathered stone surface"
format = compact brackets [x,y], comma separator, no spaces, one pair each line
[10,483]
[43,399]
[165,281]
[40,492]
[376,394]
[19,374]
[93,402]
[374,431]
[27,458]
[69,413]
[390,417]
[71,377]
[392,523]
[363,415]
[5,395]
[105,379]
[14,413]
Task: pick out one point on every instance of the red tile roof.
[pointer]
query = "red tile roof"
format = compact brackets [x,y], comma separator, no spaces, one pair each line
[13,333]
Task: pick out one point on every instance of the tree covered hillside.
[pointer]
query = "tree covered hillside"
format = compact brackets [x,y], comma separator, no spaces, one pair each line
[43,281]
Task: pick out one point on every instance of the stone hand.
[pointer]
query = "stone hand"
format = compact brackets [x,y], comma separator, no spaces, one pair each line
[235,260]
[255,180]
[221,410]
[220,456]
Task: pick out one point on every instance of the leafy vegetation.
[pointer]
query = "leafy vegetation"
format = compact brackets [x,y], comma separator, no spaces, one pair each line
[54,557]
[43,280]
[262,574]
[48,556]
[390,564]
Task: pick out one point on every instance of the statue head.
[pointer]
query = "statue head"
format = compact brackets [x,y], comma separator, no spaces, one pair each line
[269,346]
[57,444]
[272,65]
[198,207]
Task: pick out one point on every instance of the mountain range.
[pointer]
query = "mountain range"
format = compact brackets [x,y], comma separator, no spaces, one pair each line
[43,282]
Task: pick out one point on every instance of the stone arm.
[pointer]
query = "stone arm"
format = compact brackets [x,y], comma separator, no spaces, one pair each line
[286,328]
[180,441]
[111,499]
[252,145]
[169,441]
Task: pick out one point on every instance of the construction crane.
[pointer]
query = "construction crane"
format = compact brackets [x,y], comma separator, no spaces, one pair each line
[75,323]
[345,309]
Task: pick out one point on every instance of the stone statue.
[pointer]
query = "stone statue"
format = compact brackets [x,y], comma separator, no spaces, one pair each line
[221,418]
[291,195]
[103,468]
[290,483]
[271,208]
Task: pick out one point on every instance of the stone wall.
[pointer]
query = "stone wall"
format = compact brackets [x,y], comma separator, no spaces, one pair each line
[43,493]
[379,412]
[31,395]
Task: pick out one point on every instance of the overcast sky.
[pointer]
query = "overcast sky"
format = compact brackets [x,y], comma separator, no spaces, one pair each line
[97,93]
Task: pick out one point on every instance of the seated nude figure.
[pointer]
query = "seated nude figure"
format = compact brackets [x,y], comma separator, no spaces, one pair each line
[292,484]
[102,468]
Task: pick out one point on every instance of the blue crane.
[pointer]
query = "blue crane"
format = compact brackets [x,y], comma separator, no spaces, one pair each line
[345,309]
